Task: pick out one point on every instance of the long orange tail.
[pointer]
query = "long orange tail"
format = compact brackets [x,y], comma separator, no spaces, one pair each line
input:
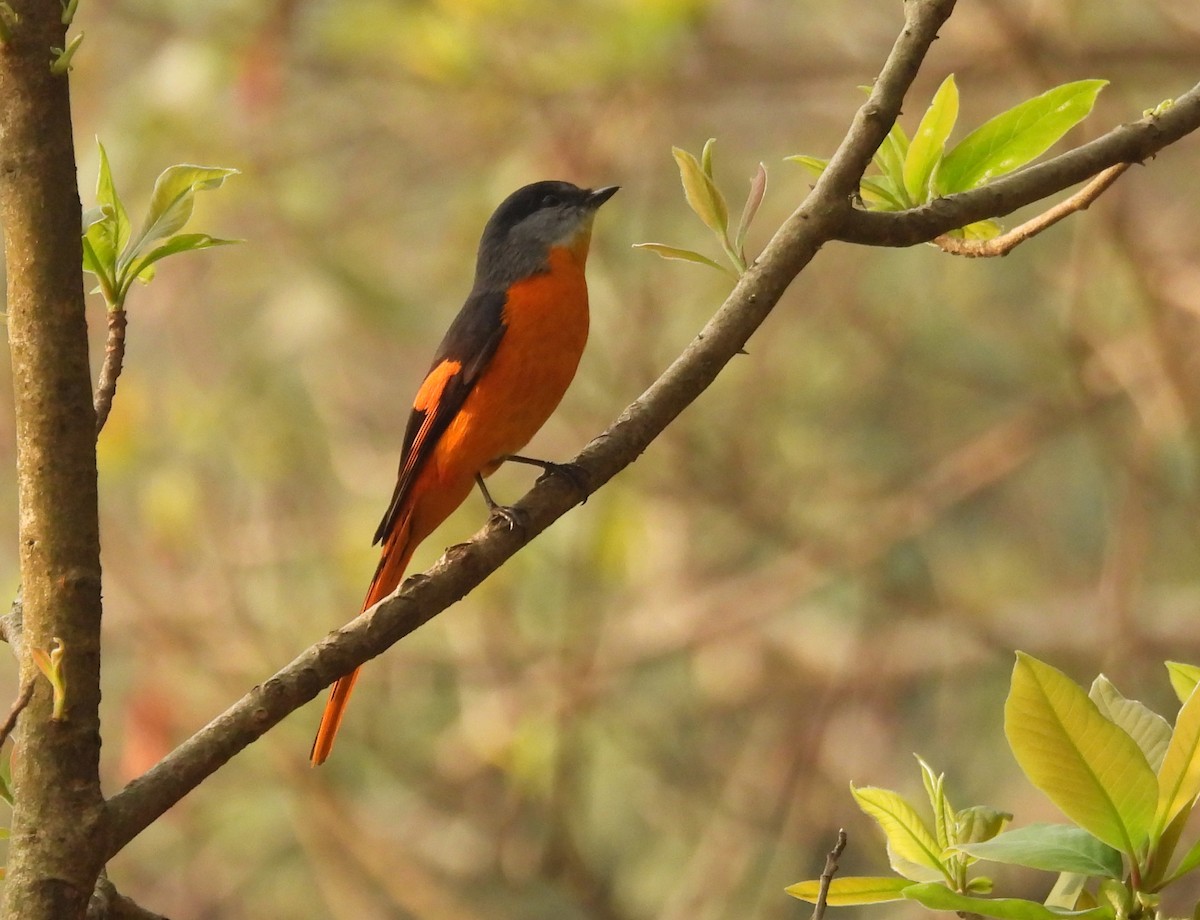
[397,552]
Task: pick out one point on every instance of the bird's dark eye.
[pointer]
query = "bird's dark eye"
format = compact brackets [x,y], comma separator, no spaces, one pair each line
[551,201]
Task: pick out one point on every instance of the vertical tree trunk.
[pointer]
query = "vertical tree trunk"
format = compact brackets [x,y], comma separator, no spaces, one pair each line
[59,817]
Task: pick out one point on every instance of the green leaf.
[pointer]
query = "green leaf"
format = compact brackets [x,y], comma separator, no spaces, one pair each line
[1184,678]
[980,230]
[890,157]
[880,194]
[1015,137]
[1145,726]
[929,143]
[701,192]
[706,155]
[943,813]
[758,188]
[814,165]
[183,242]
[851,890]
[1086,765]
[939,897]
[911,870]
[979,823]
[907,835]
[107,198]
[1053,847]
[681,255]
[171,203]
[1179,777]
[1066,891]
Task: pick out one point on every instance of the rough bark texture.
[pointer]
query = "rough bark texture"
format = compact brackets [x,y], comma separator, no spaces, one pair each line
[58,837]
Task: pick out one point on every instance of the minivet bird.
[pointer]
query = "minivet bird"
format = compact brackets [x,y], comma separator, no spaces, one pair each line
[501,370]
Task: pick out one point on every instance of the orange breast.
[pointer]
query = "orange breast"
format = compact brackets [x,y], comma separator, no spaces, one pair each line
[547,325]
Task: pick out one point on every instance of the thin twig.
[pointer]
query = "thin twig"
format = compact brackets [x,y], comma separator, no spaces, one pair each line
[831,867]
[18,705]
[1005,243]
[114,358]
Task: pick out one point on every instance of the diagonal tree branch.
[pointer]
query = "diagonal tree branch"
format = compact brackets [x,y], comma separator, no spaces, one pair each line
[826,214]
[465,566]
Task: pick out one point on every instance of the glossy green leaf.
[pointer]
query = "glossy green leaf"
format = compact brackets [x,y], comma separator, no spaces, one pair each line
[171,203]
[681,255]
[906,833]
[1013,138]
[701,192]
[939,897]
[1086,765]
[844,892]
[1150,730]
[929,142]
[1179,777]
[1184,678]
[1053,847]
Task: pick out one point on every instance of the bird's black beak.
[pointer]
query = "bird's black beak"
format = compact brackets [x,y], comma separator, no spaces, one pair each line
[601,195]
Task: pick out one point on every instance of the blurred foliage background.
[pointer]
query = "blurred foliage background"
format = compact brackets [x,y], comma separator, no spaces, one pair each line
[655,710]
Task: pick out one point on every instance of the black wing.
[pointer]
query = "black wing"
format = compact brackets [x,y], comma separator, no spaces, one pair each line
[464,354]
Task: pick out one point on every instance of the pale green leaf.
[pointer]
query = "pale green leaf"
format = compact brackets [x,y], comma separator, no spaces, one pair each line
[939,897]
[844,892]
[929,142]
[706,155]
[1179,777]
[914,871]
[171,203]
[1145,726]
[890,157]
[682,255]
[1086,765]
[943,813]
[1184,678]
[906,833]
[814,165]
[880,194]
[107,198]
[1066,891]
[1015,137]
[180,242]
[701,192]
[979,823]
[980,230]
[1053,847]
